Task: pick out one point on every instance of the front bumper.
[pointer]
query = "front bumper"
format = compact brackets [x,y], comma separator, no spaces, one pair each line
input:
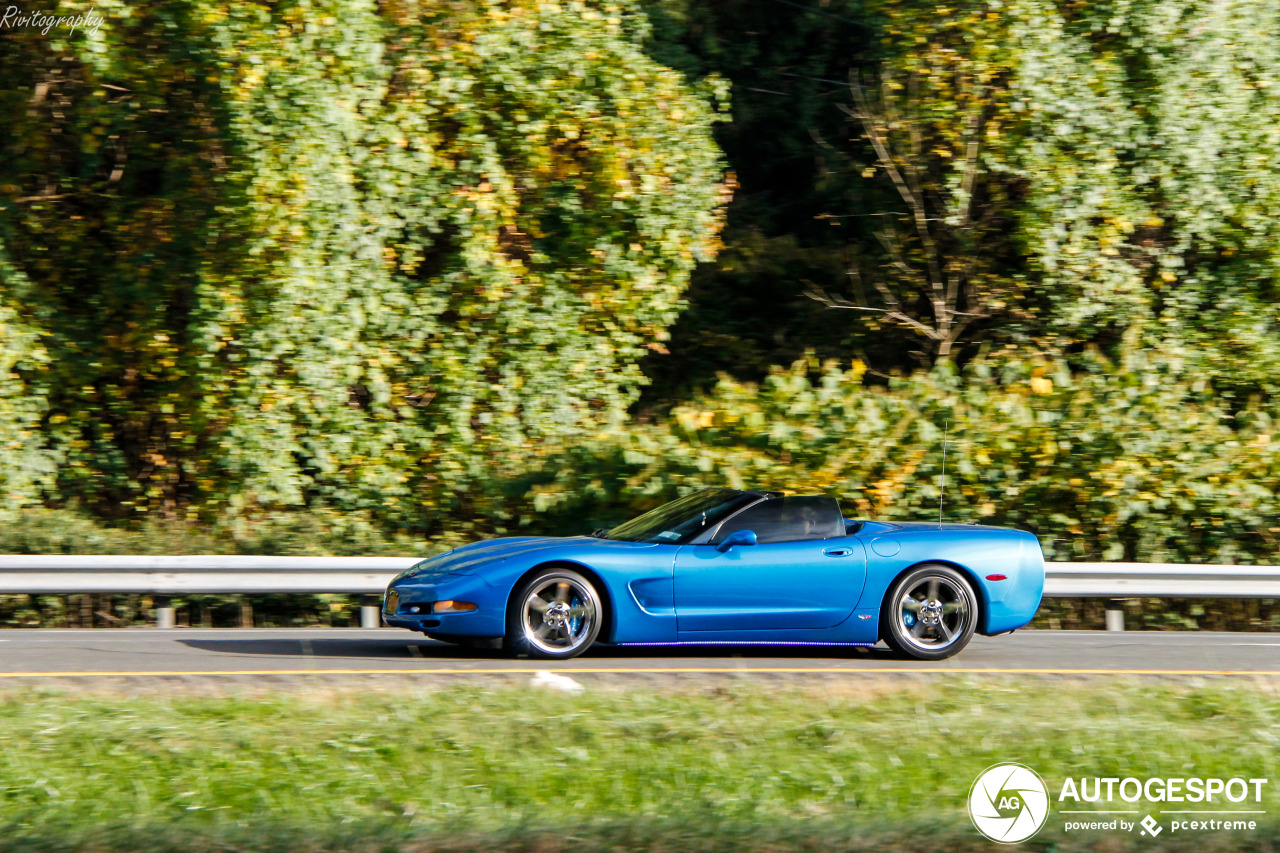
[487,620]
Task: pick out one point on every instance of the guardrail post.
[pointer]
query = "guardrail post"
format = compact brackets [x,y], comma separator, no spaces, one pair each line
[371,612]
[166,615]
[1115,615]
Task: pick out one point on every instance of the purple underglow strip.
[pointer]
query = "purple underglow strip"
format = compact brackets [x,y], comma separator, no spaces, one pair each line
[747,643]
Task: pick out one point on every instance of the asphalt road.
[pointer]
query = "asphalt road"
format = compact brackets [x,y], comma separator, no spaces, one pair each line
[39,654]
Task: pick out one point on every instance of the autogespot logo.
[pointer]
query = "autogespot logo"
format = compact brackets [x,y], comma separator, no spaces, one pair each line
[1008,803]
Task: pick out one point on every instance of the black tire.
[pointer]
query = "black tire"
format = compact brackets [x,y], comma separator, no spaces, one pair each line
[556,614]
[930,613]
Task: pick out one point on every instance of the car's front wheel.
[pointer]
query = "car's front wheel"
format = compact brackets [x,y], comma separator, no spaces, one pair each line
[930,613]
[556,614]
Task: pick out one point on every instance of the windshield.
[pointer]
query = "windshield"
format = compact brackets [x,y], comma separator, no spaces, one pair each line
[681,520]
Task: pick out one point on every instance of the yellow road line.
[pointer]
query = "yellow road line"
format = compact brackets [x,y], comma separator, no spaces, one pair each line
[728,670]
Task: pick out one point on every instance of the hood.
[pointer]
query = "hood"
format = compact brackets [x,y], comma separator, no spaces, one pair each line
[466,559]
[469,558]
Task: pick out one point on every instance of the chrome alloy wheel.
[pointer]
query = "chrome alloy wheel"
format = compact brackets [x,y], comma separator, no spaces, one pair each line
[560,615]
[930,613]
[934,612]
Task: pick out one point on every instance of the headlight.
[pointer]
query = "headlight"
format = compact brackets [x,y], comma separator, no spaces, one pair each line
[446,606]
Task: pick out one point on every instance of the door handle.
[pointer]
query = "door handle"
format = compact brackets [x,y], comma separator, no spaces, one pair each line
[838,552]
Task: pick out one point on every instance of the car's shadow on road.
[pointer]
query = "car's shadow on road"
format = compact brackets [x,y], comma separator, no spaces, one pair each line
[331,647]
[410,647]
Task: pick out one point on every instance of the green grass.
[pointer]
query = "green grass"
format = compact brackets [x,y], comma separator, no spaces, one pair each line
[755,765]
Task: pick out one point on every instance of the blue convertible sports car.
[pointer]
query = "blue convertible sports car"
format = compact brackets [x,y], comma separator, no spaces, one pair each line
[731,567]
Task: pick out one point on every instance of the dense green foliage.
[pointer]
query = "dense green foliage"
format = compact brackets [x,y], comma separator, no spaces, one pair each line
[318,253]
[403,270]
[1154,189]
[1125,461]
[690,768]
[1054,175]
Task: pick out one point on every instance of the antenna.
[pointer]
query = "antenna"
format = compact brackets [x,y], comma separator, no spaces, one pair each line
[943,488]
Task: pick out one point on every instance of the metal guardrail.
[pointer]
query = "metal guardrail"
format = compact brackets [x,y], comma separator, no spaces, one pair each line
[1118,581]
[214,575]
[220,575]
[1159,580]
[62,575]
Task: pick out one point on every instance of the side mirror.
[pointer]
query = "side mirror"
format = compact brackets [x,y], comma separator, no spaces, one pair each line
[737,537]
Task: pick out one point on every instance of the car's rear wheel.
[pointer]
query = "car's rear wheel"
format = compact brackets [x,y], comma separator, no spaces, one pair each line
[556,614]
[930,613]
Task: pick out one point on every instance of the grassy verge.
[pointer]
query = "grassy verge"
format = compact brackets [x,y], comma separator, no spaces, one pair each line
[758,766]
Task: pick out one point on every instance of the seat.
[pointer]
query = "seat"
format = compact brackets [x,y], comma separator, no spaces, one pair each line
[788,519]
[816,517]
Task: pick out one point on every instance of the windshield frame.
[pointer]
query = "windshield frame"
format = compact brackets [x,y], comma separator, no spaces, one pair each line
[682,520]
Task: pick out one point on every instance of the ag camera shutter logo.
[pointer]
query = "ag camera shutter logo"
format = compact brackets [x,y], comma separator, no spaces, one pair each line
[1008,803]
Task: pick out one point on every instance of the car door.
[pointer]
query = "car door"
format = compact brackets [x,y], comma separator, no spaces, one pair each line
[781,583]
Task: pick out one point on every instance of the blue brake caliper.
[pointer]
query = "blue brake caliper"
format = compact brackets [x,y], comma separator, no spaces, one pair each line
[576,622]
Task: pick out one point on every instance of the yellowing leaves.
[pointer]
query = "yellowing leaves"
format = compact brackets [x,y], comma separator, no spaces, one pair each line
[1041,385]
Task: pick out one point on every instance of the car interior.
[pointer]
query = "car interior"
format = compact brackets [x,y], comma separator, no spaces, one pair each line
[787,519]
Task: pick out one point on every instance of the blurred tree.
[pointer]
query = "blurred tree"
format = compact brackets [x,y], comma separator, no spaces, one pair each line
[323,253]
[796,205]
[946,260]
[1151,129]
[1119,155]
[27,466]
[117,201]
